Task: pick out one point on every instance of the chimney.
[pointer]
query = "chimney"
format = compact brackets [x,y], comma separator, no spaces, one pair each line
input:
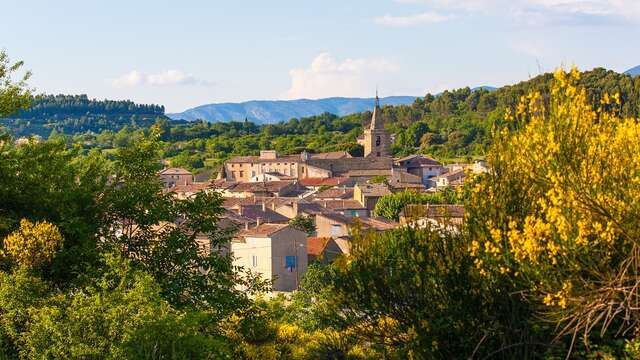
[295,208]
[246,225]
[258,221]
[264,206]
[240,210]
[273,205]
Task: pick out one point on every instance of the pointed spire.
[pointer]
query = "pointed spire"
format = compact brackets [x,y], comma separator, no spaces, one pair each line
[376,124]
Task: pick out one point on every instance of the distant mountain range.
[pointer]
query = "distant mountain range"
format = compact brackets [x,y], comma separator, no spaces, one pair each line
[272,111]
[635,71]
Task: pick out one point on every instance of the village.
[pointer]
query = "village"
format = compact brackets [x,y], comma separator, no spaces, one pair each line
[265,194]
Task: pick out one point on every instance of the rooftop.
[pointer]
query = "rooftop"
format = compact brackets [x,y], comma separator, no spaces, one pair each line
[418,159]
[174,171]
[266,186]
[265,230]
[346,204]
[332,181]
[374,189]
[190,188]
[335,193]
[379,223]
[257,211]
[316,245]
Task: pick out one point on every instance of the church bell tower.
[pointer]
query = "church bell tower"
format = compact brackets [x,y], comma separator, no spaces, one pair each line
[376,140]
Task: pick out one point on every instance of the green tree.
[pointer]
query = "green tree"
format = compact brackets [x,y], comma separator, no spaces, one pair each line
[14,94]
[303,223]
[390,206]
[160,232]
[33,244]
[121,315]
[412,294]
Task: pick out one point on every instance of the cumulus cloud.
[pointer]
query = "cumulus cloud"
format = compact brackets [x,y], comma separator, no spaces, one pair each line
[164,78]
[326,76]
[412,20]
[538,12]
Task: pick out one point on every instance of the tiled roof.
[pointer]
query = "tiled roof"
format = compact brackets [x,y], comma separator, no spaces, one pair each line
[256,212]
[349,204]
[374,189]
[332,181]
[258,159]
[236,218]
[311,208]
[419,159]
[316,245]
[379,224]
[190,188]
[268,186]
[368,172]
[223,183]
[335,193]
[263,230]
[458,174]
[175,171]
[331,155]
[337,217]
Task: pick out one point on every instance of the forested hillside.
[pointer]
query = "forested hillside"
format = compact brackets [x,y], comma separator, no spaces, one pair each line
[452,125]
[74,114]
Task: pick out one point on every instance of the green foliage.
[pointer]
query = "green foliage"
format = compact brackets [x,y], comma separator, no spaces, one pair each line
[50,115]
[390,206]
[48,182]
[33,244]
[119,315]
[14,94]
[411,292]
[160,232]
[303,223]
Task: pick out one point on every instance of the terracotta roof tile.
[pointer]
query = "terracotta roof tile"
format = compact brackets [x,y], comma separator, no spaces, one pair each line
[174,171]
[263,230]
[316,245]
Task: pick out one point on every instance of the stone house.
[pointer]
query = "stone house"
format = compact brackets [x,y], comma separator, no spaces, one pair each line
[275,251]
[368,194]
[171,177]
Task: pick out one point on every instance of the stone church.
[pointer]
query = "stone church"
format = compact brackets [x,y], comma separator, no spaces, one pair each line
[376,139]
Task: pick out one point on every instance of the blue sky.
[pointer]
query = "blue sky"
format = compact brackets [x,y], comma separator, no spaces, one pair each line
[187,53]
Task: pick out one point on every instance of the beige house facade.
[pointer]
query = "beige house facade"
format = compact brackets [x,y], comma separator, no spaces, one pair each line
[275,251]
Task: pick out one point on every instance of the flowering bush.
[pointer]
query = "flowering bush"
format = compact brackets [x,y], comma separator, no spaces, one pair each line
[33,244]
[559,215]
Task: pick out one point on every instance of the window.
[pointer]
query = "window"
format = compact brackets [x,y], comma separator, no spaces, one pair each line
[336,230]
[241,173]
[378,141]
[254,260]
[290,262]
[253,173]
[378,154]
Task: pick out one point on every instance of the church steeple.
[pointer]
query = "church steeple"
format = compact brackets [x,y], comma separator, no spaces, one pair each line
[375,122]
[376,140]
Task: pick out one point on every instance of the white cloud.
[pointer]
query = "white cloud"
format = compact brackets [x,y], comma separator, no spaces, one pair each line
[539,12]
[412,20]
[164,78]
[326,77]
[130,79]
